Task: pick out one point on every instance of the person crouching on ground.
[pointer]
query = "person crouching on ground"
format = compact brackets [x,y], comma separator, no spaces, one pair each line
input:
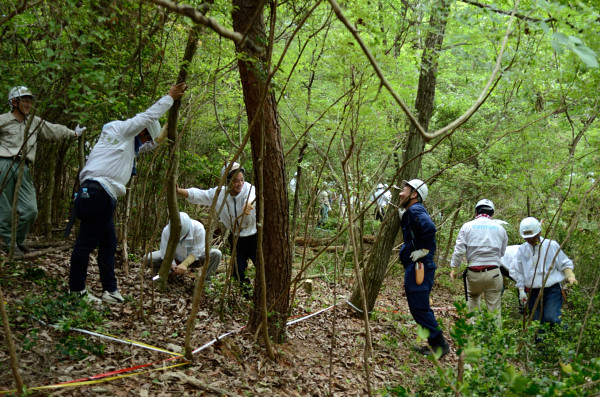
[190,252]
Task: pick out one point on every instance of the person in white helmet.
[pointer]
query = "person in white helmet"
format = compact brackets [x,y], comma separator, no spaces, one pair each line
[483,242]
[14,149]
[109,167]
[190,251]
[541,268]
[382,196]
[416,255]
[237,212]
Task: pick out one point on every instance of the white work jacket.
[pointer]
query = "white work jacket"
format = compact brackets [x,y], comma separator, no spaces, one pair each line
[509,260]
[482,240]
[383,199]
[111,161]
[191,244]
[541,256]
[12,134]
[232,212]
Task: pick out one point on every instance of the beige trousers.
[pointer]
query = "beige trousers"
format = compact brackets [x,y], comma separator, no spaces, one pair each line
[488,283]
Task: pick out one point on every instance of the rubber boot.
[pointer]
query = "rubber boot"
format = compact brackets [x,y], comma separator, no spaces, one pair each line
[438,343]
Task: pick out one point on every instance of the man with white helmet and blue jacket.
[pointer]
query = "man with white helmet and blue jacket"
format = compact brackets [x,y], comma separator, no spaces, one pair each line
[541,268]
[16,148]
[109,167]
[190,250]
[483,241]
[416,255]
[236,205]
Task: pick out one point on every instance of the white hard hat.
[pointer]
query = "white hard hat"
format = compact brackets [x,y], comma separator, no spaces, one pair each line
[530,227]
[419,186]
[154,129]
[18,92]
[186,223]
[485,203]
[235,166]
[380,186]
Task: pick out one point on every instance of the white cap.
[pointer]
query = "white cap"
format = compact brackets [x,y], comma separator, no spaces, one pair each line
[485,203]
[186,224]
[235,166]
[154,129]
[419,186]
[18,92]
[530,227]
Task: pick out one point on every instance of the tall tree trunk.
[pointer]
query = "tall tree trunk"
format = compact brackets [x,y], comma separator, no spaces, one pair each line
[379,259]
[276,249]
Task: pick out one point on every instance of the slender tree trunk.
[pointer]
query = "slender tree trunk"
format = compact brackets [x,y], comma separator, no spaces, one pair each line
[14,363]
[171,177]
[381,251]
[276,249]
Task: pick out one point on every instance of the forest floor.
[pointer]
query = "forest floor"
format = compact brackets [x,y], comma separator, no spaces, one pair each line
[323,354]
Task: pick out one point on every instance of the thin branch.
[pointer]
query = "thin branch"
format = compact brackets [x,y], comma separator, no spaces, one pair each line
[198,17]
[456,123]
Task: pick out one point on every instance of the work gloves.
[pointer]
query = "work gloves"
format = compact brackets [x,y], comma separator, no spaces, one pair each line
[79,130]
[418,254]
[182,267]
[522,296]
[401,212]
[568,272]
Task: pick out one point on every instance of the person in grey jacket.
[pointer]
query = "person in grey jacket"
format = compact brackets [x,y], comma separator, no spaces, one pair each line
[237,212]
[15,148]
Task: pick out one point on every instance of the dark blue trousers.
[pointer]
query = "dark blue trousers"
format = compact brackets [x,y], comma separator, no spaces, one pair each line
[417,297]
[245,249]
[97,230]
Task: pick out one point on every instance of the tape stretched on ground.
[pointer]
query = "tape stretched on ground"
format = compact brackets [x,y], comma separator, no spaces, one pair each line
[95,379]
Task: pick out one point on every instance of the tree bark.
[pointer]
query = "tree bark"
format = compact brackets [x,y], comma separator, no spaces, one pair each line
[276,249]
[411,162]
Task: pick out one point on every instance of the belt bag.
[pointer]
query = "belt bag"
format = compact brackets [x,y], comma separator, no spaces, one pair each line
[419,273]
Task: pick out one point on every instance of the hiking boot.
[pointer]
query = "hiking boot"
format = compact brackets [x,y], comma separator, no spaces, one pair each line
[85,295]
[437,345]
[423,350]
[112,297]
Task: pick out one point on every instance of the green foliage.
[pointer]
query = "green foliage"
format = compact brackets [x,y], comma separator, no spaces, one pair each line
[67,311]
[508,362]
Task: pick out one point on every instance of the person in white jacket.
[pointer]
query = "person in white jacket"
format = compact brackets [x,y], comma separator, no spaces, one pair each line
[484,242]
[383,198]
[235,205]
[15,148]
[541,268]
[103,179]
[190,251]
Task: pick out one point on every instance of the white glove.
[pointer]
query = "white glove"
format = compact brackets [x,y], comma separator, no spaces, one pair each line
[401,212]
[418,254]
[79,130]
[522,296]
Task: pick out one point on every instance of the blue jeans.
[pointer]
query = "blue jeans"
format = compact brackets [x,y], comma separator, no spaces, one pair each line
[97,229]
[551,304]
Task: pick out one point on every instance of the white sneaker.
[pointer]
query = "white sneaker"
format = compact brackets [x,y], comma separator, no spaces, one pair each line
[87,296]
[112,297]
